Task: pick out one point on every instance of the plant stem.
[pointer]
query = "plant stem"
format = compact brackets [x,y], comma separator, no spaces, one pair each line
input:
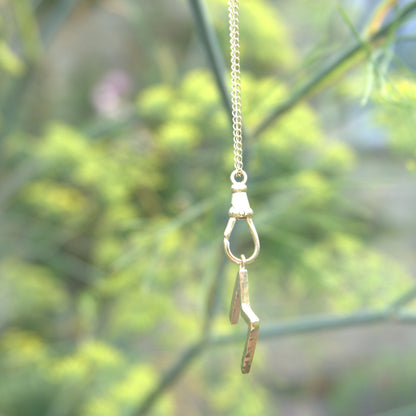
[304,325]
[194,350]
[213,50]
[402,411]
[277,330]
[171,376]
[404,299]
[336,63]
[11,106]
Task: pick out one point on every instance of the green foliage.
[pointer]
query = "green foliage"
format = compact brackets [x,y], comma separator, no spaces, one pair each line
[110,245]
[396,112]
[9,61]
[349,285]
[94,379]
[30,294]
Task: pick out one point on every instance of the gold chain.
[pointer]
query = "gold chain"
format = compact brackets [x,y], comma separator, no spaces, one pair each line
[236,86]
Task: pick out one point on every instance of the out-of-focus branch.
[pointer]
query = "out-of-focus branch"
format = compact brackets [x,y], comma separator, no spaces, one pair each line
[401,411]
[403,300]
[332,66]
[323,323]
[212,48]
[179,367]
[310,324]
[277,330]
[11,105]
[193,351]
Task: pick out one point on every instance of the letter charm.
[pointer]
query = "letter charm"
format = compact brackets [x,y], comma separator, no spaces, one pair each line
[241,303]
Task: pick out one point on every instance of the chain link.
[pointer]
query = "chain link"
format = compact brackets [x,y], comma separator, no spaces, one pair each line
[236,86]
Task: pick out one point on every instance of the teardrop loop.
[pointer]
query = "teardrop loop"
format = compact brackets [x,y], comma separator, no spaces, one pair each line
[254,235]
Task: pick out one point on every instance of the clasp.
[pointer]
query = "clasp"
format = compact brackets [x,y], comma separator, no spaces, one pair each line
[240,209]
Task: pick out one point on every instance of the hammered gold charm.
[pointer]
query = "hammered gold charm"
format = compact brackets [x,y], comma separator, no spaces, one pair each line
[240,302]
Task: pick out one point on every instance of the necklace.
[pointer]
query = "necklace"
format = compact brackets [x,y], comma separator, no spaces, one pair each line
[240,207]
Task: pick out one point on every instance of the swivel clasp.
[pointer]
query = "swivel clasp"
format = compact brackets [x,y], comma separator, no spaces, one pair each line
[240,209]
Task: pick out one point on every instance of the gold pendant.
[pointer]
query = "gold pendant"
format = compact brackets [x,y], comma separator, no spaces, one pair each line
[240,302]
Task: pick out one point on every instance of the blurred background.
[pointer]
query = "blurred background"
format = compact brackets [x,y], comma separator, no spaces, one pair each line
[115,155]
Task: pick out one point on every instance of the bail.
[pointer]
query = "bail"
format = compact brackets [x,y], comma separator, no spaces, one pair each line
[240,209]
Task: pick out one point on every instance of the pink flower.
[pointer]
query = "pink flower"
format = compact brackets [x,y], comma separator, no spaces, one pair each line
[109,94]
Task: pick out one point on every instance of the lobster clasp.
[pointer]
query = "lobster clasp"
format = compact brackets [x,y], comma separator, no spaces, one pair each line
[240,209]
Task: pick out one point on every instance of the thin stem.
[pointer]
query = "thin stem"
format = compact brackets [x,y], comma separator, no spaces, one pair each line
[310,324]
[404,299]
[406,318]
[216,61]
[212,300]
[179,367]
[55,19]
[333,65]
[401,411]
[11,107]
[278,330]
[213,50]
[193,351]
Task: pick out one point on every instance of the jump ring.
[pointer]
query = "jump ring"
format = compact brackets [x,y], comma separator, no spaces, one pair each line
[236,173]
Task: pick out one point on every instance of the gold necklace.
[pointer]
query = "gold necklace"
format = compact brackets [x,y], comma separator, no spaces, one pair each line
[240,207]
